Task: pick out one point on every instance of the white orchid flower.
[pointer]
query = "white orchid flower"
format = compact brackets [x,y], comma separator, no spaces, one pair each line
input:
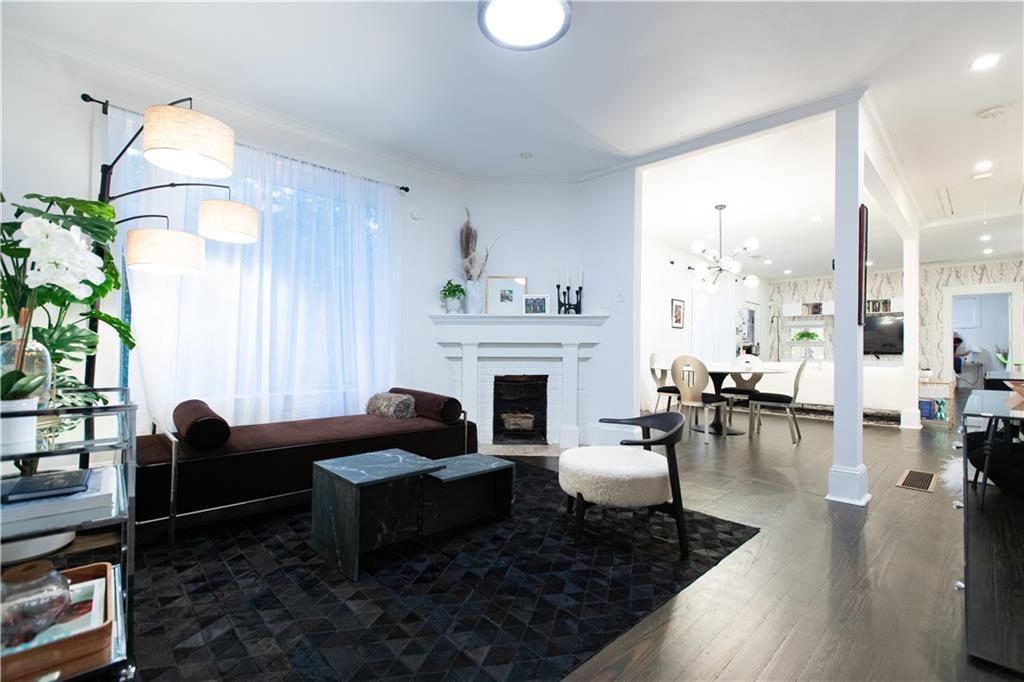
[59,257]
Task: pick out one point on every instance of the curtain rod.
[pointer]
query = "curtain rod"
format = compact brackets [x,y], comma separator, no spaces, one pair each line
[401,188]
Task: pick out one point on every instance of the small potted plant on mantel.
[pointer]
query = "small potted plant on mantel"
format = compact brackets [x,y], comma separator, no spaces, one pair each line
[452,294]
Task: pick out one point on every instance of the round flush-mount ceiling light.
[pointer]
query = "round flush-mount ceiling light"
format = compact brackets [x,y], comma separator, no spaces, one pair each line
[524,24]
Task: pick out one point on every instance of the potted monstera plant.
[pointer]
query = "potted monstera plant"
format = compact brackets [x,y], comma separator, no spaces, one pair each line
[55,264]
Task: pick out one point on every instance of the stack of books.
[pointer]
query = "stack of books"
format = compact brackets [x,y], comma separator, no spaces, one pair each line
[31,516]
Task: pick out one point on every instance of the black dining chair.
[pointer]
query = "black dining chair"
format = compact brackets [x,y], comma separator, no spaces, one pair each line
[758,399]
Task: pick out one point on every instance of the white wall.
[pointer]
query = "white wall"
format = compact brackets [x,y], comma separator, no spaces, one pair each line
[51,146]
[993,326]
[611,256]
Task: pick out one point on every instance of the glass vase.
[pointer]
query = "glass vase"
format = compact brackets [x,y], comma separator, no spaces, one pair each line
[36,363]
[474,297]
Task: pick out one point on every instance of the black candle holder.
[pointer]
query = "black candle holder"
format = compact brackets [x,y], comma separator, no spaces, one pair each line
[566,306]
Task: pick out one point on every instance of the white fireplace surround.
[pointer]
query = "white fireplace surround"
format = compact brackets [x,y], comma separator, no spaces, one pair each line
[482,346]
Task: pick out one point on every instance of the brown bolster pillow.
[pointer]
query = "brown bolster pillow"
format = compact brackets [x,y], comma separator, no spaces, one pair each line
[199,426]
[441,408]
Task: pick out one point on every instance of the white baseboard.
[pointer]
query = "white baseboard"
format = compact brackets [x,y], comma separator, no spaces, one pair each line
[910,419]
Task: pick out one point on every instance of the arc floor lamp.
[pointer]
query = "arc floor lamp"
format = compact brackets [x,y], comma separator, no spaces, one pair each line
[177,138]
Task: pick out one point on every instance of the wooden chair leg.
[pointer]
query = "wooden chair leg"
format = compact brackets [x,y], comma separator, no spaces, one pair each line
[707,424]
[657,401]
[569,499]
[580,511]
[796,423]
[790,419]
[750,420]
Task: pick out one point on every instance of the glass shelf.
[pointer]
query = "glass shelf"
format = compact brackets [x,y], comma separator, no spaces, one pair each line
[88,519]
[76,447]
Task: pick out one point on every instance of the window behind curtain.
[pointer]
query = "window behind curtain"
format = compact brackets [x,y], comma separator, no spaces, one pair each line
[296,325]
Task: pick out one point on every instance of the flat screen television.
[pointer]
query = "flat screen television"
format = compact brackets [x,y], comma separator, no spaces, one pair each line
[883,335]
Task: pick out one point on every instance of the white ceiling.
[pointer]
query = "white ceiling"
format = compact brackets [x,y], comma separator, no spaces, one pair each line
[774,185]
[420,81]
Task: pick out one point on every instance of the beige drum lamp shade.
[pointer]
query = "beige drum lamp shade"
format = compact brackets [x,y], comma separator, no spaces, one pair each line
[187,142]
[228,221]
[169,252]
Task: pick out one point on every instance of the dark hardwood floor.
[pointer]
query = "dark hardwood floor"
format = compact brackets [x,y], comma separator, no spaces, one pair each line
[826,591]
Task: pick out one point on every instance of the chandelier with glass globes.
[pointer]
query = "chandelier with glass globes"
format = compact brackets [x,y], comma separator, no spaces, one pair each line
[718,264]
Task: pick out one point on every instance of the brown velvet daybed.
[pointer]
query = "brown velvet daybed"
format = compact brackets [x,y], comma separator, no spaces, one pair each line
[265,466]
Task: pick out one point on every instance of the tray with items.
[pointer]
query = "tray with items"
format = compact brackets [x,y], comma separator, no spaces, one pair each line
[61,623]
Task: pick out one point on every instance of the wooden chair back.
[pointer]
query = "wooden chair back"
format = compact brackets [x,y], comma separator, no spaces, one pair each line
[659,372]
[748,381]
[796,380]
[691,377]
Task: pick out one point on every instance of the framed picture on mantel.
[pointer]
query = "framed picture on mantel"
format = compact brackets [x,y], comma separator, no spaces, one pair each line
[505,294]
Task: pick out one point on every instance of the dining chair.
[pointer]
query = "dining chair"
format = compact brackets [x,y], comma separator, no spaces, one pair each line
[660,374]
[691,377]
[745,383]
[787,402]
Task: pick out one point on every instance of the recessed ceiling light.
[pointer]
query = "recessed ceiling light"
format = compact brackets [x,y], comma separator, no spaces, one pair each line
[524,24]
[787,272]
[987,252]
[525,155]
[982,176]
[984,62]
[985,237]
[869,263]
[983,166]
[984,222]
[768,262]
[815,218]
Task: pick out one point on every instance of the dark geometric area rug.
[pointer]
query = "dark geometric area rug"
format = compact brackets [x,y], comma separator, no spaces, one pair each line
[513,599]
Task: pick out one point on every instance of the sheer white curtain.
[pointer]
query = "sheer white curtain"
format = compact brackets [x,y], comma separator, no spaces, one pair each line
[296,325]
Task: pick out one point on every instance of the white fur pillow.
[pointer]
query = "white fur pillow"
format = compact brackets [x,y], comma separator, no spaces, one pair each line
[392,405]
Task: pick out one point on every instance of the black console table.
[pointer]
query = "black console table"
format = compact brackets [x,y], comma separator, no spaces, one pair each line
[993,554]
[364,502]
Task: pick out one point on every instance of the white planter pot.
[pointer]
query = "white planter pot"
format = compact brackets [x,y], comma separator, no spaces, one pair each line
[19,433]
[452,305]
[474,297]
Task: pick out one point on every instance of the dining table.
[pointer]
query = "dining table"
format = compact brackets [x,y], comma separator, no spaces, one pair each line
[718,371]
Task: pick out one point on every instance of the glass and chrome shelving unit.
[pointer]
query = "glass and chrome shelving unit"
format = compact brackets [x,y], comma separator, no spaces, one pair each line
[105,435]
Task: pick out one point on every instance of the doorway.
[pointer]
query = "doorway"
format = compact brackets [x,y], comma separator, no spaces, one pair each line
[981,336]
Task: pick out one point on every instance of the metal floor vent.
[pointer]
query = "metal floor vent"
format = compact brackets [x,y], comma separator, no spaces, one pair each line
[917,480]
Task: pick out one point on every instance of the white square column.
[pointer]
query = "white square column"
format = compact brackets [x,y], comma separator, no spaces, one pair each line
[470,384]
[848,477]
[910,413]
[569,434]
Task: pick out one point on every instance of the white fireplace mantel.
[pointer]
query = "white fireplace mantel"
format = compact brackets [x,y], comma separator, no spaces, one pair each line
[570,338]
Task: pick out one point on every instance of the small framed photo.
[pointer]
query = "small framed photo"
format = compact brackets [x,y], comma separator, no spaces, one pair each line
[678,313]
[535,304]
[505,294]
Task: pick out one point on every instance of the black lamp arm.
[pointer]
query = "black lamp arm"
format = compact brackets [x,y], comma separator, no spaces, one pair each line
[167,185]
[105,104]
[146,215]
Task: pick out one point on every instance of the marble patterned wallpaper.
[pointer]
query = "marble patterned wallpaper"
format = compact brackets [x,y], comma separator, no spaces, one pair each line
[889,284]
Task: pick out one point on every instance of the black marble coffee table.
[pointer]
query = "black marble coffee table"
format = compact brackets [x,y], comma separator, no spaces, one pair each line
[364,502]
[470,487]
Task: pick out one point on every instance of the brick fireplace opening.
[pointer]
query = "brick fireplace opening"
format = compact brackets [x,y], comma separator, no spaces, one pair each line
[520,409]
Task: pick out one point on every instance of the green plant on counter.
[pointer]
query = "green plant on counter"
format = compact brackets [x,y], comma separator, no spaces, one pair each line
[806,335]
[452,290]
